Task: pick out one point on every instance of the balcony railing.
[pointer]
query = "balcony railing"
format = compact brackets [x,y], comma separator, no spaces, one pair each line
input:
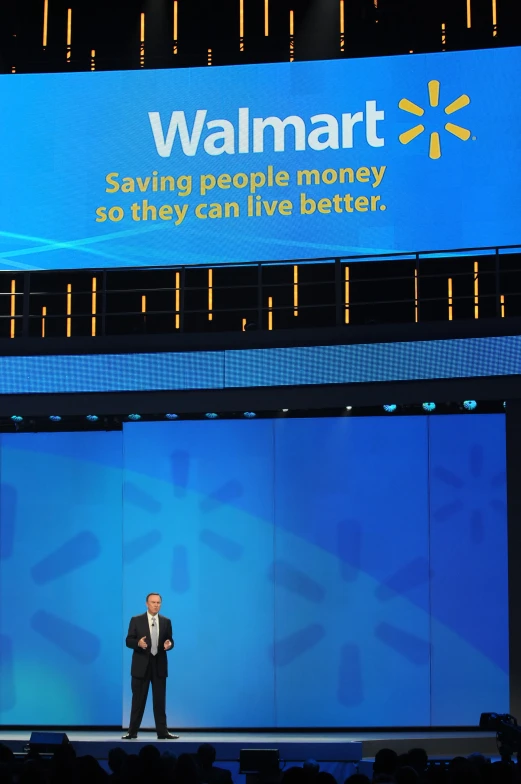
[327,292]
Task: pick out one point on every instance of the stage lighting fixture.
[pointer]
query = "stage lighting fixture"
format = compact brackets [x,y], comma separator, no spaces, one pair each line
[285,410]
[16,418]
[92,418]
[250,414]
[171,416]
[429,407]
[134,417]
[469,405]
[55,418]
[504,403]
[349,408]
[211,415]
[390,407]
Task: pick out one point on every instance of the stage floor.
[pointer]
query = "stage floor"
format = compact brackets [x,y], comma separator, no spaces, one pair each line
[292,746]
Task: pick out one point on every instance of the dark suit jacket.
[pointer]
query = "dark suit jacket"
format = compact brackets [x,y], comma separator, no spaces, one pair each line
[139,628]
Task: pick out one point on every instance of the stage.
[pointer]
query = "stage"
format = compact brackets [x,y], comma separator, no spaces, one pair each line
[293,747]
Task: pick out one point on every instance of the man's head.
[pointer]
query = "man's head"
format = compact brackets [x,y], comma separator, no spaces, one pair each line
[154,603]
[385,761]
[206,755]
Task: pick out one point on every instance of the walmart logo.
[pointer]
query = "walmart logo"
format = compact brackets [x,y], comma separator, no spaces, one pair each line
[434,99]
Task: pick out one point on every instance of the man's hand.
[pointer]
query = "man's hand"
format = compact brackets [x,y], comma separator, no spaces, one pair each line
[168,645]
[142,643]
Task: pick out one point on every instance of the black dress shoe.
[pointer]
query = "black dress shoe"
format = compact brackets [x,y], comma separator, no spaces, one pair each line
[128,736]
[167,737]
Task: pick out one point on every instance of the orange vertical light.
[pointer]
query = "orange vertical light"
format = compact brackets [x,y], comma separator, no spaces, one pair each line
[142,42]
[346,295]
[45,21]
[450,299]
[93,307]
[443,36]
[13,69]
[476,290]
[69,309]
[177,299]
[209,56]
[342,28]
[502,301]
[469,15]
[291,36]
[69,34]
[210,295]
[93,60]
[13,307]
[494,18]
[241,25]
[44,313]
[266,18]
[295,290]
[244,325]
[175,27]
[143,303]
[270,312]
[416,313]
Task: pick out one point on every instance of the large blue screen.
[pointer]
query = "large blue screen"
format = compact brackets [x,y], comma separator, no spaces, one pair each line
[274,161]
[318,572]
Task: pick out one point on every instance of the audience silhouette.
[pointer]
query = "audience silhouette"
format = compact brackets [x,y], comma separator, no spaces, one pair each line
[151,765]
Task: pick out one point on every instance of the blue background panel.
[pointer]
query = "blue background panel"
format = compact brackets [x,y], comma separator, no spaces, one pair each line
[59,165]
[351,516]
[315,570]
[60,578]
[198,521]
[467,528]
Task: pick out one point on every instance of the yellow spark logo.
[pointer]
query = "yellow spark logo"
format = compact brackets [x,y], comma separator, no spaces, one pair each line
[434,99]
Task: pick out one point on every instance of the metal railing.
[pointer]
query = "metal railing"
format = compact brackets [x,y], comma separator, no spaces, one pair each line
[468,283]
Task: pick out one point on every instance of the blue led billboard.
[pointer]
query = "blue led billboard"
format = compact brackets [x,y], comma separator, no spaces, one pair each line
[260,162]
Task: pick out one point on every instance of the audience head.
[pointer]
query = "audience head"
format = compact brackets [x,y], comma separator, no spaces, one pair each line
[385,762]
[88,770]
[294,775]
[186,770]
[6,755]
[323,777]
[117,759]
[206,755]
[479,761]
[406,775]
[418,760]
[311,767]
[358,778]
[132,768]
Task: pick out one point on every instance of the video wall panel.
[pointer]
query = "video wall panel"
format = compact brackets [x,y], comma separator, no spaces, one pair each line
[260,162]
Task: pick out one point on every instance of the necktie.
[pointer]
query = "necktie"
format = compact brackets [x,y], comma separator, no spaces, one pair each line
[154,636]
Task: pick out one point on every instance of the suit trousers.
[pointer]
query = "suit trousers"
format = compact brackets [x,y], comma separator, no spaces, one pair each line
[139,698]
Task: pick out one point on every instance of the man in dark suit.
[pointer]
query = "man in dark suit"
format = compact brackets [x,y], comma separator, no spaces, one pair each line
[150,637]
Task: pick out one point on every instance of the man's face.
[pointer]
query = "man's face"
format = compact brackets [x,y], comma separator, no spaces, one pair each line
[154,603]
